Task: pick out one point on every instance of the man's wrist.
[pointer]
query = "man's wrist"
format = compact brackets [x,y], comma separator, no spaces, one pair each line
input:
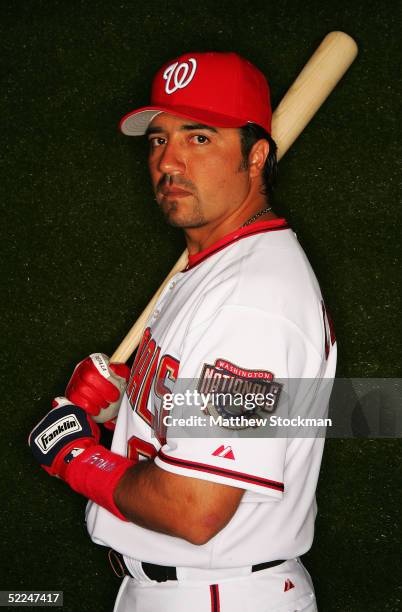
[95,473]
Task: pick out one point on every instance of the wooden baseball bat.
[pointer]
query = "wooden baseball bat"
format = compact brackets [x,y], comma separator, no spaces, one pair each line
[315,82]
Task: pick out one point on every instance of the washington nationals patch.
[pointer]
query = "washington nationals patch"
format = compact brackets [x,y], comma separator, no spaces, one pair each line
[238,393]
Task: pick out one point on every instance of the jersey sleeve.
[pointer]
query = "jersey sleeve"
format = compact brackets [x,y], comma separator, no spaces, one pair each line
[243,347]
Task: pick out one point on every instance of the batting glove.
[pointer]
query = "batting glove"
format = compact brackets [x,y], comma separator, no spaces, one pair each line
[66,444]
[97,385]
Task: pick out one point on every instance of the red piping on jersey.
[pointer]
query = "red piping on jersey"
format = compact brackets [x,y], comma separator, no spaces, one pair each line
[212,469]
[244,232]
[215,603]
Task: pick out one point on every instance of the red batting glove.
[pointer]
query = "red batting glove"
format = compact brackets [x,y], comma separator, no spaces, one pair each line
[66,444]
[96,384]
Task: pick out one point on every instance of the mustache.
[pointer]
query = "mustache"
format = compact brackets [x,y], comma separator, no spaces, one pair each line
[167,180]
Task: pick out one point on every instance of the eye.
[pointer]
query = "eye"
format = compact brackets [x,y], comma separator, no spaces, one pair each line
[157,141]
[200,139]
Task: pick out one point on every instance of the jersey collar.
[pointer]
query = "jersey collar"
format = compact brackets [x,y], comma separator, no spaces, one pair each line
[259,227]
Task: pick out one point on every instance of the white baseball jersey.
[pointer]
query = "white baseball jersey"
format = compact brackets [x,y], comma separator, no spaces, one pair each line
[246,311]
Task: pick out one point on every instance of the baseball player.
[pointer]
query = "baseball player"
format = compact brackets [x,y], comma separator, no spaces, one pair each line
[213,517]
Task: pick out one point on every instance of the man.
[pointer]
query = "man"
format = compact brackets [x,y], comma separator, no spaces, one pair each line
[217,521]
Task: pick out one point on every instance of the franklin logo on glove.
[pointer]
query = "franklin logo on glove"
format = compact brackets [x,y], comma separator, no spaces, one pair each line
[61,428]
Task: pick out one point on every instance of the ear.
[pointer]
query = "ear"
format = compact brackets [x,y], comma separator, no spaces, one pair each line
[257,156]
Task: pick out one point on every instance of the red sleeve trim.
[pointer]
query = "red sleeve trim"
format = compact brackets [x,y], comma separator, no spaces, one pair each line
[212,469]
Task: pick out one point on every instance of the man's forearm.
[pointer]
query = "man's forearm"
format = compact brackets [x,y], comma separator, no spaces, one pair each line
[176,505]
[143,497]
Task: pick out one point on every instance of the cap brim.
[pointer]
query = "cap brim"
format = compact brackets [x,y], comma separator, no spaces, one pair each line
[136,122]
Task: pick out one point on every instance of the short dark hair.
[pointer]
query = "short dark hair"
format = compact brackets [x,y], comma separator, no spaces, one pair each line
[249,135]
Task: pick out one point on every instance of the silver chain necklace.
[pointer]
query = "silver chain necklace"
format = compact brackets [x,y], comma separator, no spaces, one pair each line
[258,214]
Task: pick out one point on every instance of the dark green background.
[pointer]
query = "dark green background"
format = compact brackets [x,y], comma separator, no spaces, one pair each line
[84,248]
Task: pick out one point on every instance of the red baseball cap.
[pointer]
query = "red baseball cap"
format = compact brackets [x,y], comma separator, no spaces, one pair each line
[217,89]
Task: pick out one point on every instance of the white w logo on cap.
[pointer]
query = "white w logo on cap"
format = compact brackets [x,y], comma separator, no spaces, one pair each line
[180,74]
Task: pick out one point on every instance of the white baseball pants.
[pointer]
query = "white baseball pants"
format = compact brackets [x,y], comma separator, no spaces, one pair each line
[284,588]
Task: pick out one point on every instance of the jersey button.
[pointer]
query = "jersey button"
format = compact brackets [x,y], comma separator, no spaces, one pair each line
[156,314]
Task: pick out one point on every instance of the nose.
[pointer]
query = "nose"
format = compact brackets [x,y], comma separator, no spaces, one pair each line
[171,161]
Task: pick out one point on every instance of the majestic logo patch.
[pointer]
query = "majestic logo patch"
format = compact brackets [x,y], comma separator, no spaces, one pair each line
[56,431]
[224,451]
[288,585]
[178,76]
[238,393]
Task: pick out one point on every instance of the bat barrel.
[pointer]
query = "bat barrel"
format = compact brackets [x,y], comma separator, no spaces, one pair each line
[311,88]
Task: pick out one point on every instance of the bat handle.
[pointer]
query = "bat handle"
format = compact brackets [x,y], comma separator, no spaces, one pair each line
[131,341]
